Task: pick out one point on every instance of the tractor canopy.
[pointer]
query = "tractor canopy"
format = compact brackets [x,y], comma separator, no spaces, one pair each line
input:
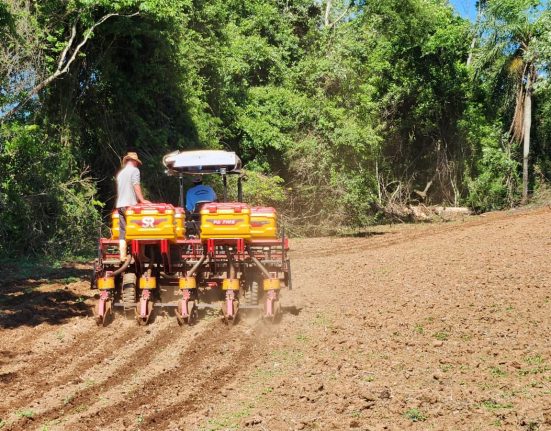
[202,162]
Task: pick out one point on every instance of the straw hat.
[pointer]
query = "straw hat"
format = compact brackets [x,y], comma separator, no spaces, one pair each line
[131,156]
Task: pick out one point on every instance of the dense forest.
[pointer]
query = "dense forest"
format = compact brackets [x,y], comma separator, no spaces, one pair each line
[340,110]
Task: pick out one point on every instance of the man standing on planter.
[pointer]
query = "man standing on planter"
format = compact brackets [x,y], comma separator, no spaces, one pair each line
[129,193]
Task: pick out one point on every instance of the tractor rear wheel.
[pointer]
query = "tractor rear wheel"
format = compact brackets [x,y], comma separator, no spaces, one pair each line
[129,296]
[252,294]
[93,279]
[129,280]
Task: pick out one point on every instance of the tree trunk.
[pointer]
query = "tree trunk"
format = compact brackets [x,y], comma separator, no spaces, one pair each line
[327,13]
[471,51]
[476,27]
[527,126]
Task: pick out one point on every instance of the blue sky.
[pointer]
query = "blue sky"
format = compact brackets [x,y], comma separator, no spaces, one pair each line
[465,8]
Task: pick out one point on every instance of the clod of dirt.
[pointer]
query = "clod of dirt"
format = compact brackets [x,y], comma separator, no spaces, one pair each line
[354,423]
[253,421]
[385,394]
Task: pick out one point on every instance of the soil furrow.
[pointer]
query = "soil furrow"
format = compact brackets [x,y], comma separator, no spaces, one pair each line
[54,369]
[207,391]
[203,354]
[120,374]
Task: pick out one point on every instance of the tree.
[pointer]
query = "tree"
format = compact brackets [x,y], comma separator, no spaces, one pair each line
[511,29]
[480,6]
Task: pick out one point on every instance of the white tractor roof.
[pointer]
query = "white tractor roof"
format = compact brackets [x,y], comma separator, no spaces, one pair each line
[202,162]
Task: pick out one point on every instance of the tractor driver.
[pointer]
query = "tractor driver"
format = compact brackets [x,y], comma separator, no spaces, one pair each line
[199,193]
[129,193]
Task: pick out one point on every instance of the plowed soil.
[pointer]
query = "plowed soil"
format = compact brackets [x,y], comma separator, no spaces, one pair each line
[426,327]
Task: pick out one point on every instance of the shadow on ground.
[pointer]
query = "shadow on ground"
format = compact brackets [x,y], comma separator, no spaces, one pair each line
[362,234]
[24,303]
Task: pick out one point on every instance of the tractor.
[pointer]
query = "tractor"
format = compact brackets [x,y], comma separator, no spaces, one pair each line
[217,254]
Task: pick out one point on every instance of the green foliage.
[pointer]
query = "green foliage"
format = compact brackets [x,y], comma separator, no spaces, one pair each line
[334,120]
[415,415]
[491,188]
[263,190]
[47,202]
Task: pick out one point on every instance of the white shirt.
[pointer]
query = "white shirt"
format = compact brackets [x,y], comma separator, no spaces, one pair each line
[127,178]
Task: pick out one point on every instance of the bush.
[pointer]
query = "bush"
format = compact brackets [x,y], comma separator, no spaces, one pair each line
[495,186]
[47,204]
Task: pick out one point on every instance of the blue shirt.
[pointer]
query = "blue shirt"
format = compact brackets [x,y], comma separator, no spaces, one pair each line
[199,193]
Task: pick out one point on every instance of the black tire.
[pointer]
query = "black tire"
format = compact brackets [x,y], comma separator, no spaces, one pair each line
[288,276]
[93,276]
[128,296]
[252,293]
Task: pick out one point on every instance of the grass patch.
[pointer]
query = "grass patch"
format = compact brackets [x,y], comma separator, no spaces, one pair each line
[69,280]
[497,372]
[415,415]
[230,421]
[419,329]
[80,408]
[264,374]
[537,365]
[322,320]
[494,405]
[534,360]
[466,337]
[446,368]
[89,383]
[41,268]
[302,337]
[441,335]
[25,414]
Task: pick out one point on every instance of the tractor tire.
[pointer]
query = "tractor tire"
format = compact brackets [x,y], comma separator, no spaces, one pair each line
[93,277]
[129,290]
[129,278]
[129,295]
[252,294]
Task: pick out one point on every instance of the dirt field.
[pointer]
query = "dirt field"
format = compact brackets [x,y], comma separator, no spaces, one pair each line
[427,327]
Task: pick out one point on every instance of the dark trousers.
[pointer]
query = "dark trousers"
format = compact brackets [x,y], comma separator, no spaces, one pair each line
[122,222]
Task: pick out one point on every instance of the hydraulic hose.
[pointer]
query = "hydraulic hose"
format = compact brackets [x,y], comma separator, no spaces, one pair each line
[123,267]
[260,266]
[195,267]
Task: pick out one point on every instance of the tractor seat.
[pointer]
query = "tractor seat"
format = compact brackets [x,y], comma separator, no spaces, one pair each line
[198,195]
[193,219]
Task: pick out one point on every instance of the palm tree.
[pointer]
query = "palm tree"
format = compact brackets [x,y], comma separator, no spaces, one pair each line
[480,6]
[510,29]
